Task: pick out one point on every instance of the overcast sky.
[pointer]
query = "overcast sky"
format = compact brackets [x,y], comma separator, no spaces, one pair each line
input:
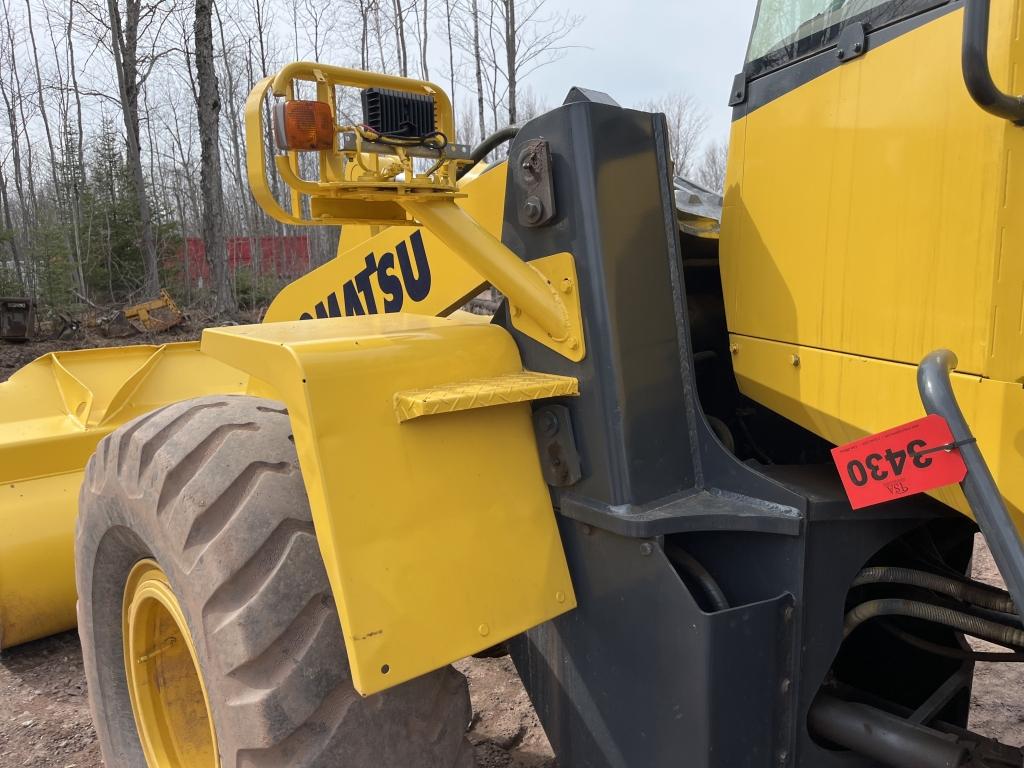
[641,49]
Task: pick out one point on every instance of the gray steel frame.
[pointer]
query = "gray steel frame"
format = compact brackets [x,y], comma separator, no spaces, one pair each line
[639,676]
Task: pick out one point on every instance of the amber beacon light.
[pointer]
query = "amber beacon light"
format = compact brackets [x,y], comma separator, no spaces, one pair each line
[304,126]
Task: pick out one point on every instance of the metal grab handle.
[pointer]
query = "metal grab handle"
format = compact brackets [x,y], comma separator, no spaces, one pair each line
[977,74]
[980,489]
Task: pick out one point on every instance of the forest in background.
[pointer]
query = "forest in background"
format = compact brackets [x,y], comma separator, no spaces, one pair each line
[122,141]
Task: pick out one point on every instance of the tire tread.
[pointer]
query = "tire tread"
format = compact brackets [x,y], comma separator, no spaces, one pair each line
[205,484]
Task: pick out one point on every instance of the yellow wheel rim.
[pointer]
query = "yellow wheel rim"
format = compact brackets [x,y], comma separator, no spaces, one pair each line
[168,695]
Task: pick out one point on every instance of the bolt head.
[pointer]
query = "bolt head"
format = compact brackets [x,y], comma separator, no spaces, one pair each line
[646,549]
[795,360]
[548,423]
[533,209]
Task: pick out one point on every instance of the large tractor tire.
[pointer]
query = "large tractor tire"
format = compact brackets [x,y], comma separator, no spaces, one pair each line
[209,631]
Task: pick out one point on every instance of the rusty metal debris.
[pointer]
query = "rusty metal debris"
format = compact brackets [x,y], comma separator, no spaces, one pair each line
[17,318]
[154,316]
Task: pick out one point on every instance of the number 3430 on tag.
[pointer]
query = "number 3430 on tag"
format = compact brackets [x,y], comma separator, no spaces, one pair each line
[899,462]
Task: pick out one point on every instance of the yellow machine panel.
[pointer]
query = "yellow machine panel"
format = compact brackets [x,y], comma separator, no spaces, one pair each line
[870,219]
[464,552]
[879,214]
[845,397]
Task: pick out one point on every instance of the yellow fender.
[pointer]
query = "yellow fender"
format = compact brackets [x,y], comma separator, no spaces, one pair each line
[416,444]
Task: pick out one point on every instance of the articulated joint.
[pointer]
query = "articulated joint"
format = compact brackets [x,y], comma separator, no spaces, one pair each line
[544,299]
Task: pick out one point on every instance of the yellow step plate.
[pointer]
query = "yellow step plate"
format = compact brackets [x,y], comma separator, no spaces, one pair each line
[482,393]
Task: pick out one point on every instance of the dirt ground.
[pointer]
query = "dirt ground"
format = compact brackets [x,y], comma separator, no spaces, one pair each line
[45,723]
[44,712]
[14,356]
[997,700]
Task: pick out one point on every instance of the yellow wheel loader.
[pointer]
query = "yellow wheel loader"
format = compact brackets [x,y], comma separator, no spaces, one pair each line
[655,477]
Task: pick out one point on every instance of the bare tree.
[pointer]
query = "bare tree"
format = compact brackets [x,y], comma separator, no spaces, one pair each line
[364,40]
[711,172]
[8,223]
[687,122]
[424,34]
[511,55]
[319,21]
[529,105]
[74,257]
[509,40]
[11,93]
[210,170]
[448,6]
[398,22]
[132,71]
[478,64]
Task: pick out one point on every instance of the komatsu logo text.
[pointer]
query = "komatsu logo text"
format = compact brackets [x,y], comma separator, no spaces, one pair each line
[393,278]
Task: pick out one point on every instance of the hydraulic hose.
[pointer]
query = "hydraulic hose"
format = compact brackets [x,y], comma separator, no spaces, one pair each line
[969,625]
[488,145]
[966,592]
[699,574]
[492,142]
[950,653]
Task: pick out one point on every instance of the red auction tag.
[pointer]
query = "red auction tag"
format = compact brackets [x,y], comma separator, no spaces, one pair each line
[899,462]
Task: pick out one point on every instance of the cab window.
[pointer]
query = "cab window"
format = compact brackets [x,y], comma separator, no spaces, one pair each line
[788,30]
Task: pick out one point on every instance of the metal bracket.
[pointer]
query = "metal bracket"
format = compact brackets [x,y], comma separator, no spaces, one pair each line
[559,272]
[349,142]
[852,42]
[534,183]
[559,459]
[739,90]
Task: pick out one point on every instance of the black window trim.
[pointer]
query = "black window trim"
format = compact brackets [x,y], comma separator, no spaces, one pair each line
[753,70]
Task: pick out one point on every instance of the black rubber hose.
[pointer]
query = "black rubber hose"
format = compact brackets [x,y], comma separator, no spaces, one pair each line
[966,592]
[950,653]
[492,142]
[699,574]
[969,625]
[998,616]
